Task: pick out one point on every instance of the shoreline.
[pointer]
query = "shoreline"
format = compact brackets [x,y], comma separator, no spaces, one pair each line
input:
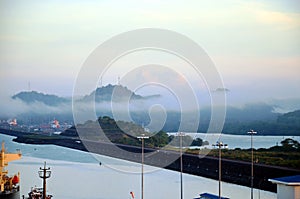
[233,171]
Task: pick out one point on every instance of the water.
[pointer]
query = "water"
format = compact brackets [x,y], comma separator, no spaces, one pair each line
[241,141]
[78,175]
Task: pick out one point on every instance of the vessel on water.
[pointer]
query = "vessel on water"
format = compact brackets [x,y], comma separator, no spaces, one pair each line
[40,193]
[9,185]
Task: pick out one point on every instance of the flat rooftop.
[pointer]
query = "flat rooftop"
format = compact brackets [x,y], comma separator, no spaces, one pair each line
[288,180]
[210,196]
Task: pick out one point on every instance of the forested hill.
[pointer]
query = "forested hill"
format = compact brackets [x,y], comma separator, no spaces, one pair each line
[104,93]
[291,118]
[115,93]
[286,124]
[109,92]
[34,96]
[112,130]
[122,132]
[39,107]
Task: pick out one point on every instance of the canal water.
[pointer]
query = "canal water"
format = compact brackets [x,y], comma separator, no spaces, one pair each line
[78,175]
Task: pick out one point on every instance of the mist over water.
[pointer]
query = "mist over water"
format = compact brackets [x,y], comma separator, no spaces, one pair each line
[163,106]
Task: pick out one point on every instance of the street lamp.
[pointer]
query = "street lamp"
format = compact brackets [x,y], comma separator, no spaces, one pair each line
[180,135]
[142,137]
[220,145]
[251,132]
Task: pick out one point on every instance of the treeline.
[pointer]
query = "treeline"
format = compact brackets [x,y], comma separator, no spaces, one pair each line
[287,154]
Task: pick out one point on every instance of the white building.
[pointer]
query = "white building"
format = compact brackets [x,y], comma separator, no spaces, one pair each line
[287,187]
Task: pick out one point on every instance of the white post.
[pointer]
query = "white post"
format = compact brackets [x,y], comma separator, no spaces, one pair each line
[252,170]
[181,164]
[142,137]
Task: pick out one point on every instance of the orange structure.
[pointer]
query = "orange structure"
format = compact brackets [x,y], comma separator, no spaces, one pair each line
[9,186]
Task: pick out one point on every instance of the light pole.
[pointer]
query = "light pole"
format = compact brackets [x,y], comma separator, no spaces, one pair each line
[251,132]
[180,135]
[220,145]
[142,137]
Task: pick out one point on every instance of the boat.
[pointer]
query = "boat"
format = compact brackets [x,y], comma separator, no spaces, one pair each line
[37,193]
[40,193]
[9,185]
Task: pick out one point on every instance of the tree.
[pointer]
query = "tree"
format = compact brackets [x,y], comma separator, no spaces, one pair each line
[290,144]
[160,139]
[197,142]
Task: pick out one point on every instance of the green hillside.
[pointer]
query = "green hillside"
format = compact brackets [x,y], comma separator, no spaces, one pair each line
[33,96]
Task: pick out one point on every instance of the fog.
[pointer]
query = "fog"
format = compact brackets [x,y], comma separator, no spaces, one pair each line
[155,113]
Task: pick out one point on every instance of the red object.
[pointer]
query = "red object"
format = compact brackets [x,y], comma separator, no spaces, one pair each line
[15,180]
[132,194]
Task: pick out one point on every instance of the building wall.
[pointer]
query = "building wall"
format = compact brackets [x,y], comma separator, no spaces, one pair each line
[297,192]
[288,192]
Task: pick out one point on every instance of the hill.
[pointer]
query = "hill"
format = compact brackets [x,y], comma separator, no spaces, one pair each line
[120,132]
[114,92]
[285,124]
[101,94]
[261,117]
[30,97]
[291,118]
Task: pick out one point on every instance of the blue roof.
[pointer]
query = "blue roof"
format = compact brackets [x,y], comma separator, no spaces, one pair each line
[209,196]
[288,180]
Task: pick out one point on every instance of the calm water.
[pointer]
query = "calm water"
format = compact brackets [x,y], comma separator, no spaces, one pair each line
[78,175]
[242,141]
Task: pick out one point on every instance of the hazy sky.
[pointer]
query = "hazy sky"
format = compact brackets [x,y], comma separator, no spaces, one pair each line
[255,45]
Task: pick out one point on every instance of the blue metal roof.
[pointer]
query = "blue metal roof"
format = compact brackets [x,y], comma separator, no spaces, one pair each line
[209,196]
[288,180]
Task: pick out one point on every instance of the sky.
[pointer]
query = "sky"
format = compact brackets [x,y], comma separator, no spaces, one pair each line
[254,45]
